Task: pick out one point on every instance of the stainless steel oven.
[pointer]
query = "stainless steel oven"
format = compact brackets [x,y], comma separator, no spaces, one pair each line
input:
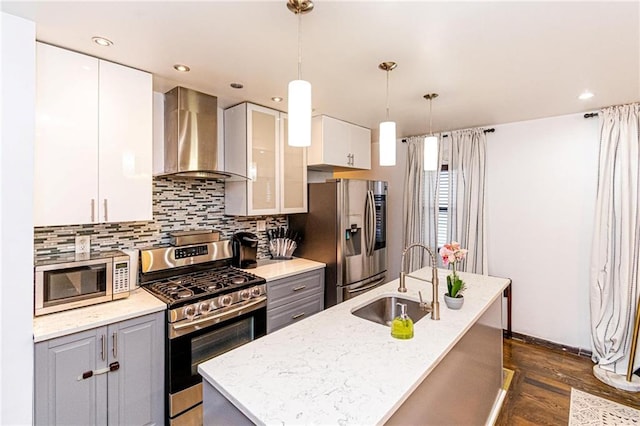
[199,344]
[212,308]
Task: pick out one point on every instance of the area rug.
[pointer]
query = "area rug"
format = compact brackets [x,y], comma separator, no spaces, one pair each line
[591,410]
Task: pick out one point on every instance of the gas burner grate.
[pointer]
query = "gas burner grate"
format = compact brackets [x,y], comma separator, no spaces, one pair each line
[203,283]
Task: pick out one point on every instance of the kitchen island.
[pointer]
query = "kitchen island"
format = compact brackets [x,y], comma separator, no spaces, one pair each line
[336,368]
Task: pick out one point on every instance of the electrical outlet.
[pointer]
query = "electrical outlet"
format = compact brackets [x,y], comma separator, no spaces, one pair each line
[262,225]
[83,243]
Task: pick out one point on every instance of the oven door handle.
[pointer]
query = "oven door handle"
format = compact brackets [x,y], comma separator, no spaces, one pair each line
[251,305]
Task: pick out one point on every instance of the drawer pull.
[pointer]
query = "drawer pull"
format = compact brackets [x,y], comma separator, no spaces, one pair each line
[302,287]
[296,316]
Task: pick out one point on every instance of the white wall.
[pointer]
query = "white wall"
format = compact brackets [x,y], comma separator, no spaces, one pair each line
[395,177]
[541,190]
[16,220]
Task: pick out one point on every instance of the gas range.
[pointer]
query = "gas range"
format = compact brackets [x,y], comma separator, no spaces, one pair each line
[197,281]
[213,308]
[203,293]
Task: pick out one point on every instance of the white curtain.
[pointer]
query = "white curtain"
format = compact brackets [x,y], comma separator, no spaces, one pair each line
[466,158]
[615,256]
[413,203]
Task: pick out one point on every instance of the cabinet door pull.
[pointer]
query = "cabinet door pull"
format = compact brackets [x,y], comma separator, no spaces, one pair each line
[103,349]
[296,316]
[114,349]
[300,287]
[106,217]
[93,209]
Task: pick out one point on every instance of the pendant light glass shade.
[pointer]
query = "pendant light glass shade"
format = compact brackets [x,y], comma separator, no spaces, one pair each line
[299,113]
[387,132]
[431,153]
[299,91]
[387,143]
[430,142]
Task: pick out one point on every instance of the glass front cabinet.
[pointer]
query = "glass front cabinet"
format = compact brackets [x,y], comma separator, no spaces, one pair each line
[256,146]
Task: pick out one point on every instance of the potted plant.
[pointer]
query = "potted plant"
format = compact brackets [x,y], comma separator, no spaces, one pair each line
[452,254]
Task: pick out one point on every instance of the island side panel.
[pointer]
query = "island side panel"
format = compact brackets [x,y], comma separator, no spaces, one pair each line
[472,367]
[218,410]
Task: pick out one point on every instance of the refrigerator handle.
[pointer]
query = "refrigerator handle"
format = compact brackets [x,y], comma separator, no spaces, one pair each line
[367,225]
[370,222]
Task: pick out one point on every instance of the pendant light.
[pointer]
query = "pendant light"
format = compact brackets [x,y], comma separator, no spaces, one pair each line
[387,133]
[430,141]
[299,96]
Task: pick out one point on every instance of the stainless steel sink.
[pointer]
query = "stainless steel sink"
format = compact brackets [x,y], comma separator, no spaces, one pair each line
[385,309]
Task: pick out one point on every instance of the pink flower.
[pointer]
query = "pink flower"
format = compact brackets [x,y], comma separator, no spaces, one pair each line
[452,253]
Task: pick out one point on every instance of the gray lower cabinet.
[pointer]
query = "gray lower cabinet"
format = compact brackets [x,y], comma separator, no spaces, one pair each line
[294,298]
[111,375]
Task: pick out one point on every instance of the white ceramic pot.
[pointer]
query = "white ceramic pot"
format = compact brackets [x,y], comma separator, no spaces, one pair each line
[453,302]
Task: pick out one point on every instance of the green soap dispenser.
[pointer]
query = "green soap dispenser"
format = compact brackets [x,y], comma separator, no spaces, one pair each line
[402,325]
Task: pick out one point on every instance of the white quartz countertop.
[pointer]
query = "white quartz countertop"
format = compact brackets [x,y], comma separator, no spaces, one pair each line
[275,269]
[336,368]
[140,302]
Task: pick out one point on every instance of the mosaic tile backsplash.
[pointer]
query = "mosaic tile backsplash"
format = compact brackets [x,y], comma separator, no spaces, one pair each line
[179,204]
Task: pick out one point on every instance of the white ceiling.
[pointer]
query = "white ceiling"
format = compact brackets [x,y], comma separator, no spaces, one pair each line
[490,62]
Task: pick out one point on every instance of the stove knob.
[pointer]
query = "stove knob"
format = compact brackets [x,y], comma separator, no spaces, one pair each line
[245,294]
[189,312]
[205,307]
[225,300]
[256,291]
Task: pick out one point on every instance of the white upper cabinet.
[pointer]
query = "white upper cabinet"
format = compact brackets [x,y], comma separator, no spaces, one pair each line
[256,147]
[93,140]
[338,144]
[125,143]
[66,147]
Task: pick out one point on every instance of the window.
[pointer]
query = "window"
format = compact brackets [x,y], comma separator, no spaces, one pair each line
[443,205]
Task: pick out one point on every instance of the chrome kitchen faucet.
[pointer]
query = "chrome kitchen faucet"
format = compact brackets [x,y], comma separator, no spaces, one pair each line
[435,305]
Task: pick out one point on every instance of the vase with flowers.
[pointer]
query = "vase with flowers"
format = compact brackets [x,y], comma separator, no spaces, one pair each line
[451,254]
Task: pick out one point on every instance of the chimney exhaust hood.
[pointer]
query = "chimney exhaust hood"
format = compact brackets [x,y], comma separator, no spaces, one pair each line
[191,136]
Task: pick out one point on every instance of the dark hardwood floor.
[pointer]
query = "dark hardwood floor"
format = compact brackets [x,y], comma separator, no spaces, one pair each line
[540,390]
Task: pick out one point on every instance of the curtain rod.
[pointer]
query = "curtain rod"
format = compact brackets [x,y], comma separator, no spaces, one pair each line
[491,130]
[591,114]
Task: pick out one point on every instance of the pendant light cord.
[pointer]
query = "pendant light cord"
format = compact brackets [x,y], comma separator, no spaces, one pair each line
[299,46]
[430,117]
[388,95]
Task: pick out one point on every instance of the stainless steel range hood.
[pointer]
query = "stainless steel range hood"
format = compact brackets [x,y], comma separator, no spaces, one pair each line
[191,135]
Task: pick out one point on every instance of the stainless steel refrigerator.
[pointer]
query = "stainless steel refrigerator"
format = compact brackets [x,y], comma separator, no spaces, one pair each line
[346,229]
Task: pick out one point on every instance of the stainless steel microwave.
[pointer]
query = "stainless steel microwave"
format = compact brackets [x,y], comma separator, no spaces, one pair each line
[63,283]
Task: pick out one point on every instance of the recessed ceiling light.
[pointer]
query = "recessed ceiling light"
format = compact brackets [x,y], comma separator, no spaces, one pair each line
[276,99]
[181,68]
[102,41]
[585,95]
[237,85]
